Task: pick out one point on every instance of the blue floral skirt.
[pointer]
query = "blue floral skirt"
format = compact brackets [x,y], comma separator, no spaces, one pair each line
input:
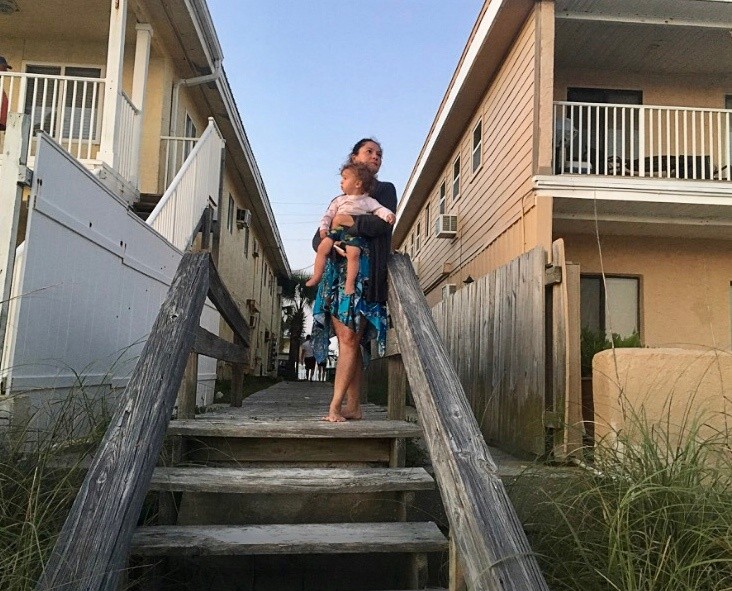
[353,311]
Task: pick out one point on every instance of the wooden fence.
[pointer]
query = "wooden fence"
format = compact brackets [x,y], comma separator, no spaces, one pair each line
[511,339]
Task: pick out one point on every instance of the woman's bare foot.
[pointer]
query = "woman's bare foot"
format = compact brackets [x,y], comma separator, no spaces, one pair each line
[349,289]
[334,417]
[352,415]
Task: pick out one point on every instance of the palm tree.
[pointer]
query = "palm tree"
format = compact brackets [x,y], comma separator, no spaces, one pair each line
[299,300]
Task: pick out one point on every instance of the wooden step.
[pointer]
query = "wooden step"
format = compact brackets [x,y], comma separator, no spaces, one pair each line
[310,538]
[293,429]
[289,480]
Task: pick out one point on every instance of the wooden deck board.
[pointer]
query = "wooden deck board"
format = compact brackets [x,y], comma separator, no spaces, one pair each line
[290,480]
[338,538]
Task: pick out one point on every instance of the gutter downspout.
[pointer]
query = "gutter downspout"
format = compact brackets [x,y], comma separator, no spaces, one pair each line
[195,81]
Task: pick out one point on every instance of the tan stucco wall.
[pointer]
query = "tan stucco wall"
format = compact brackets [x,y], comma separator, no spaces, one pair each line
[673,387]
[684,284]
[497,213]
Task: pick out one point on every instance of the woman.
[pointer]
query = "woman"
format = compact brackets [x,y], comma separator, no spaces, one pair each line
[356,319]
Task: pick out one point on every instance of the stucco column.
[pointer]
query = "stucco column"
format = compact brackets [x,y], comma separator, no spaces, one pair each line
[113,80]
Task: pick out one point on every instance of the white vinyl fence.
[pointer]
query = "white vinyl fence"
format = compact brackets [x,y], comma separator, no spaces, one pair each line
[91,277]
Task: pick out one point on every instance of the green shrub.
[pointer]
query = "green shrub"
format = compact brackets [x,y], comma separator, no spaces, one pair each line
[592,342]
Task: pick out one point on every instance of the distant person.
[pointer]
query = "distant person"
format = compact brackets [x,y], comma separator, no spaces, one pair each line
[4,67]
[307,356]
[357,181]
[322,373]
[361,317]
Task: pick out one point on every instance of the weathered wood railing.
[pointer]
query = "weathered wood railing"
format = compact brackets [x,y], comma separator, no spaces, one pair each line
[488,536]
[92,549]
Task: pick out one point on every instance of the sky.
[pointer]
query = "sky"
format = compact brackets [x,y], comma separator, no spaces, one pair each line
[312,77]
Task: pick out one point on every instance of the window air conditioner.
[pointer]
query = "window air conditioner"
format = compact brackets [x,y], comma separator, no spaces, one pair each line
[448,289]
[446,226]
[243,218]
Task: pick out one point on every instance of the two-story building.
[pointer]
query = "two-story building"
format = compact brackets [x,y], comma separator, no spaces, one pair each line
[607,123]
[136,92]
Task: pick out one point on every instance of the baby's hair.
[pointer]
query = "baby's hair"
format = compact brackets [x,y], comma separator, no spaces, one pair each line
[363,174]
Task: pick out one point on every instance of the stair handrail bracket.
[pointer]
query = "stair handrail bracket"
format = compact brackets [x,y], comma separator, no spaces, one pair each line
[490,539]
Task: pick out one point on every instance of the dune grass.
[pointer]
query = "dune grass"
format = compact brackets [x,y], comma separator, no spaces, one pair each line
[41,471]
[654,515]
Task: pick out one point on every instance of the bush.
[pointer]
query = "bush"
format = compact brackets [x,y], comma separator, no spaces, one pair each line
[592,342]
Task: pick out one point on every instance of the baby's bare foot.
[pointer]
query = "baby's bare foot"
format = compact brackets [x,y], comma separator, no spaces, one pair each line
[312,281]
[349,289]
[353,415]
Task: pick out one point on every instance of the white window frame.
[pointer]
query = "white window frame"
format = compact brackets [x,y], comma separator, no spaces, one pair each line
[477,152]
[441,198]
[189,131]
[230,214]
[419,236]
[426,221]
[456,179]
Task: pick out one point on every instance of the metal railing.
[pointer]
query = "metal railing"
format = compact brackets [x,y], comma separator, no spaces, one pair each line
[194,187]
[642,141]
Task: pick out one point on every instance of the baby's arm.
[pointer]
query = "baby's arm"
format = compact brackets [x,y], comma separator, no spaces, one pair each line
[329,215]
[380,211]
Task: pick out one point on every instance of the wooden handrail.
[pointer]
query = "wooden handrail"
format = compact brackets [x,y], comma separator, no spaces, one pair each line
[92,549]
[490,540]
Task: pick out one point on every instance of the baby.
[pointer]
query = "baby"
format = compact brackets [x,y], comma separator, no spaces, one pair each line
[356,181]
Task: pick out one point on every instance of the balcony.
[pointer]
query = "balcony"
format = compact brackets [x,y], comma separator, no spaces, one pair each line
[70,109]
[642,141]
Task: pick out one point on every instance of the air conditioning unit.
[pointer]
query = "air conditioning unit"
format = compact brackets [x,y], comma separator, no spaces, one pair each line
[445,226]
[448,289]
[243,218]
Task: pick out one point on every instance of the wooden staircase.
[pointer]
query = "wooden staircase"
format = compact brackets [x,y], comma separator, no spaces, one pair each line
[270,497]
[145,205]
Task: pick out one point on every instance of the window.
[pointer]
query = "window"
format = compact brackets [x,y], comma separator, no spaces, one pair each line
[615,311]
[72,104]
[441,201]
[230,215]
[189,131]
[456,179]
[419,235]
[246,241]
[477,145]
[411,247]
[427,220]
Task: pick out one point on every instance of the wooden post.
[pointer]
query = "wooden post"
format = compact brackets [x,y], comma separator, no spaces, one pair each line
[187,391]
[11,198]
[237,379]
[457,575]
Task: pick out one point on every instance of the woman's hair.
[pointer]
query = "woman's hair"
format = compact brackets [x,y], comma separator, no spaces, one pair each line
[363,174]
[360,144]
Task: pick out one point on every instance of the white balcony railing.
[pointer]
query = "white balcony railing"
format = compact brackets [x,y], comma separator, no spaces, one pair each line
[69,109]
[642,141]
[194,187]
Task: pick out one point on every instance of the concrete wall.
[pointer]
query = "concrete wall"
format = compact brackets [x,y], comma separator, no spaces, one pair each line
[673,387]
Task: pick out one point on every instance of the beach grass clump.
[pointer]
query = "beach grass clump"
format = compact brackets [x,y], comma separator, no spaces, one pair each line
[653,514]
[41,471]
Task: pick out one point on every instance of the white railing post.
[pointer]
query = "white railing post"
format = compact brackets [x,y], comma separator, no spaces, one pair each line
[115,58]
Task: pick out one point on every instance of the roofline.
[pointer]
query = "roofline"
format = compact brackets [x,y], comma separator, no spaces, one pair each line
[203,23]
[477,50]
